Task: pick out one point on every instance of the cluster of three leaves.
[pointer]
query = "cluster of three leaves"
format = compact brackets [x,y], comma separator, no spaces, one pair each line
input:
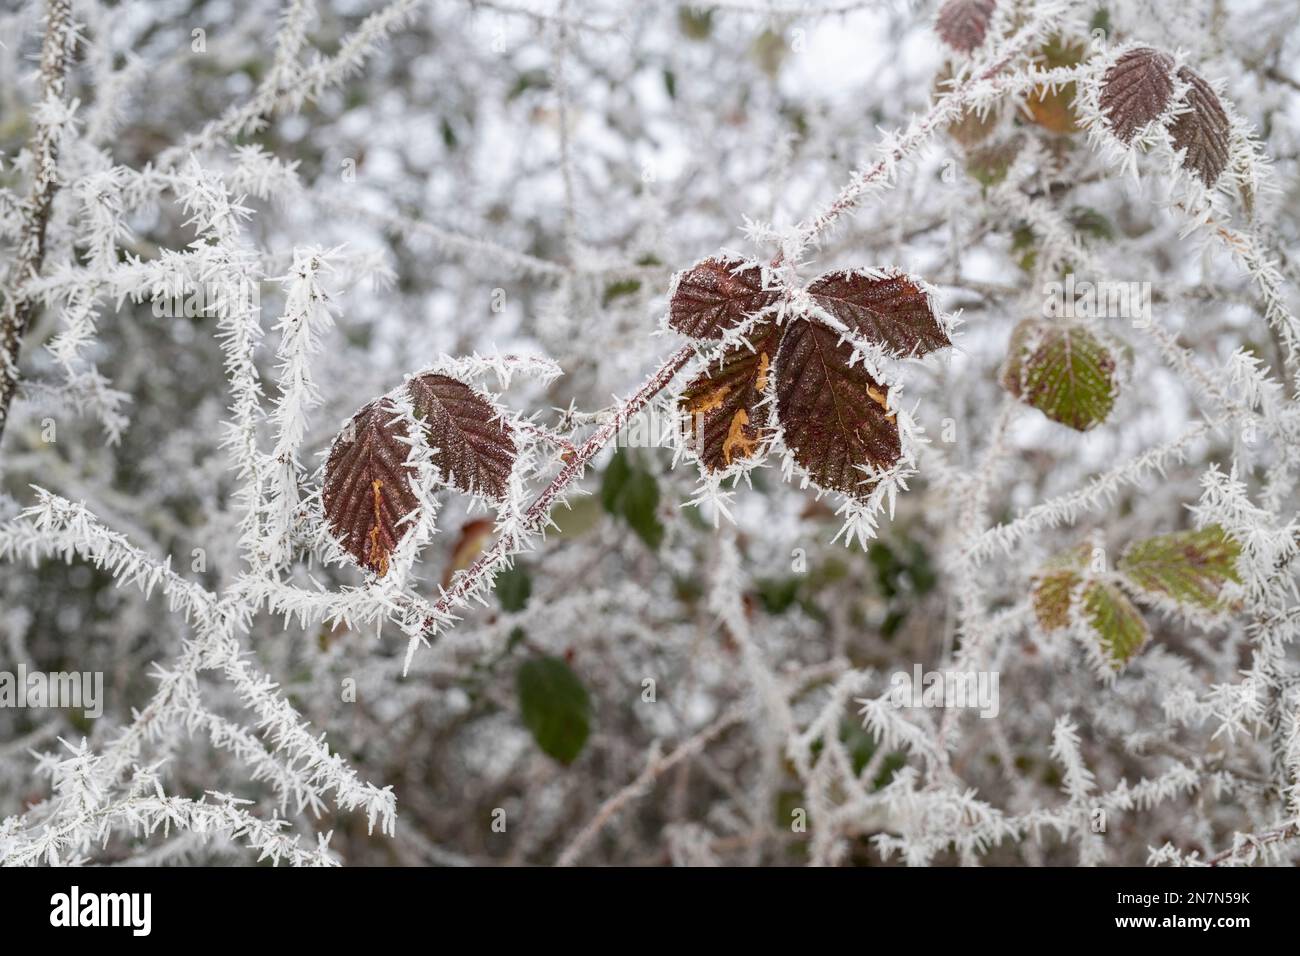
[834,416]
[1186,570]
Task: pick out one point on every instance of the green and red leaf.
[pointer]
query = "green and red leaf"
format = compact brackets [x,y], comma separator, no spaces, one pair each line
[1189,568]
[1063,370]
[1051,597]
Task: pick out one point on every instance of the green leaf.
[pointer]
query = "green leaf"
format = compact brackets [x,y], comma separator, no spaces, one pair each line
[529,80]
[513,588]
[902,568]
[1024,246]
[555,706]
[616,475]
[1189,568]
[630,491]
[1100,21]
[1091,223]
[619,289]
[640,502]
[1119,626]
[778,594]
[670,84]
[989,166]
[695,24]
[1063,370]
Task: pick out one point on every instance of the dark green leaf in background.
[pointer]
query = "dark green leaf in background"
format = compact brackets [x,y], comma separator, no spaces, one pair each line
[554,706]
[513,588]
[630,491]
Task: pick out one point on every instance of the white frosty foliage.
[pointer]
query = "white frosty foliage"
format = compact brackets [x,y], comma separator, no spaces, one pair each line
[507,195]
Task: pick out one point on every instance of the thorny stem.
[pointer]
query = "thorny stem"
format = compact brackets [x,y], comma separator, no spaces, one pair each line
[655,767]
[567,448]
[56,50]
[939,115]
[1288,832]
[850,196]
[249,116]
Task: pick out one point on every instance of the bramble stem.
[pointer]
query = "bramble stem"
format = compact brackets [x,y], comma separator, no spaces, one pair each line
[56,50]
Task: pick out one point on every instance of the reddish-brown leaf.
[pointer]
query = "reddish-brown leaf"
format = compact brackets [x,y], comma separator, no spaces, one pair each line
[475,449]
[367,487]
[729,419]
[1136,90]
[833,414]
[891,311]
[962,24]
[474,536]
[1203,131]
[716,295]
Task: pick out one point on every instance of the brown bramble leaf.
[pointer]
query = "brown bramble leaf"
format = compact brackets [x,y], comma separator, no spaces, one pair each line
[1053,587]
[834,414]
[890,310]
[475,448]
[715,295]
[990,163]
[962,24]
[1203,131]
[1136,90]
[1051,598]
[473,538]
[367,486]
[729,418]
